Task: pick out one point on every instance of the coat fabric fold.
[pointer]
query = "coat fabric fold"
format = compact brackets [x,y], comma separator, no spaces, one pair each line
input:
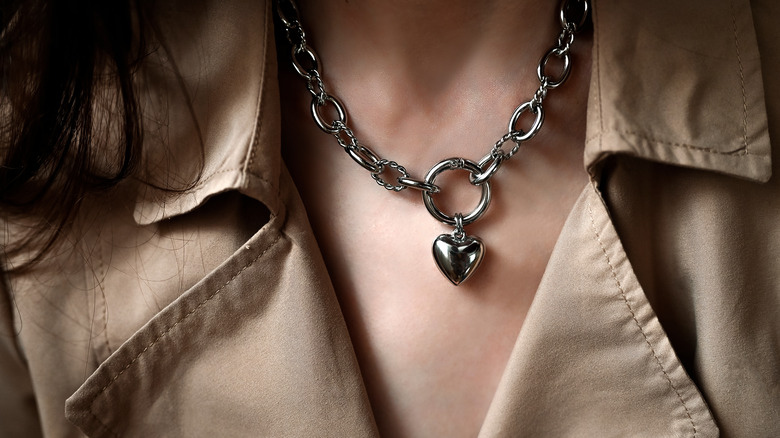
[210,312]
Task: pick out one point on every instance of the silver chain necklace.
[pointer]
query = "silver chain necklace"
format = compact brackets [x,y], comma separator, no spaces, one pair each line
[457,255]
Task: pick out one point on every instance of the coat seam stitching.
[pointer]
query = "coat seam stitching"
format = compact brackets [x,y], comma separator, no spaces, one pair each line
[741,152]
[169,329]
[636,320]
[249,163]
[100,284]
[741,74]
[597,64]
[205,180]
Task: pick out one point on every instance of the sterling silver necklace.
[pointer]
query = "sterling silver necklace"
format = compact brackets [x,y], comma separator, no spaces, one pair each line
[456,254]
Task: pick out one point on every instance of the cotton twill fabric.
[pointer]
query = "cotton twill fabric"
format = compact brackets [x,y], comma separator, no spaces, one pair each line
[174,315]
[273,368]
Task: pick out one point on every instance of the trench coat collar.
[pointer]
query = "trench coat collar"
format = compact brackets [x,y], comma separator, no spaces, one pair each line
[674,82]
[215,118]
[678,83]
[591,357]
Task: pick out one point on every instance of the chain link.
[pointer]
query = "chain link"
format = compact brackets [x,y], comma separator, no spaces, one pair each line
[411,183]
[307,65]
[383,164]
[534,107]
[493,163]
[498,150]
[344,129]
[313,61]
[566,9]
[366,158]
[316,87]
[333,126]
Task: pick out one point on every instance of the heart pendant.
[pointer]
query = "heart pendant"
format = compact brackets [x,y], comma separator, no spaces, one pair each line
[458,258]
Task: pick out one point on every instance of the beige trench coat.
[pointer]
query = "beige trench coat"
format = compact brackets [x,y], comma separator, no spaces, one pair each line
[656,316]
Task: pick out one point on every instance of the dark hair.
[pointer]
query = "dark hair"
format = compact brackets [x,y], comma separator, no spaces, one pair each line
[58,59]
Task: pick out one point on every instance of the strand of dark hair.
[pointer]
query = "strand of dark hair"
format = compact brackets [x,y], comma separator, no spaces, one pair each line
[52,55]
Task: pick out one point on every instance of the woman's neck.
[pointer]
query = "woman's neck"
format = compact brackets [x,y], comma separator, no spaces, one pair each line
[429,41]
[432,77]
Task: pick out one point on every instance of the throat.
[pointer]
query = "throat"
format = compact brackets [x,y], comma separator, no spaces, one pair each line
[444,35]
[432,353]
[409,64]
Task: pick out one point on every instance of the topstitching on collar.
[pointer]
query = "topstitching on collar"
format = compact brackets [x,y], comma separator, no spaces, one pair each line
[674,82]
[679,83]
[226,58]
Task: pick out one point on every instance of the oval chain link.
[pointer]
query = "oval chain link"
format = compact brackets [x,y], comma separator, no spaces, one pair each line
[304,72]
[334,126]
[307,65]
[393,165]
[366,158]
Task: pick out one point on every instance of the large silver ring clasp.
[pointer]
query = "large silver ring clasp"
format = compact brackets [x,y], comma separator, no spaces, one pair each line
[455,164]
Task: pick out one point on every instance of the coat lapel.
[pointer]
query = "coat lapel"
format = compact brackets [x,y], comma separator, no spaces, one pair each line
[257,348]
[592,358]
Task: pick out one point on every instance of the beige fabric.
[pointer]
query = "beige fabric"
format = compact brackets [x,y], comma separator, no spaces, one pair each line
[175,315]
[697,66]
[705,249]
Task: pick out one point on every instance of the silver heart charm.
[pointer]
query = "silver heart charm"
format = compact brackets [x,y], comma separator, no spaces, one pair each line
[458,258]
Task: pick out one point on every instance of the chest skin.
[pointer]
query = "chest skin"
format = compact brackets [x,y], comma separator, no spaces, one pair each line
[431,353]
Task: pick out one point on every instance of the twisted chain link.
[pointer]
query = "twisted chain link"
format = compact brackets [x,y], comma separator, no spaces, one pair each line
[573,15]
